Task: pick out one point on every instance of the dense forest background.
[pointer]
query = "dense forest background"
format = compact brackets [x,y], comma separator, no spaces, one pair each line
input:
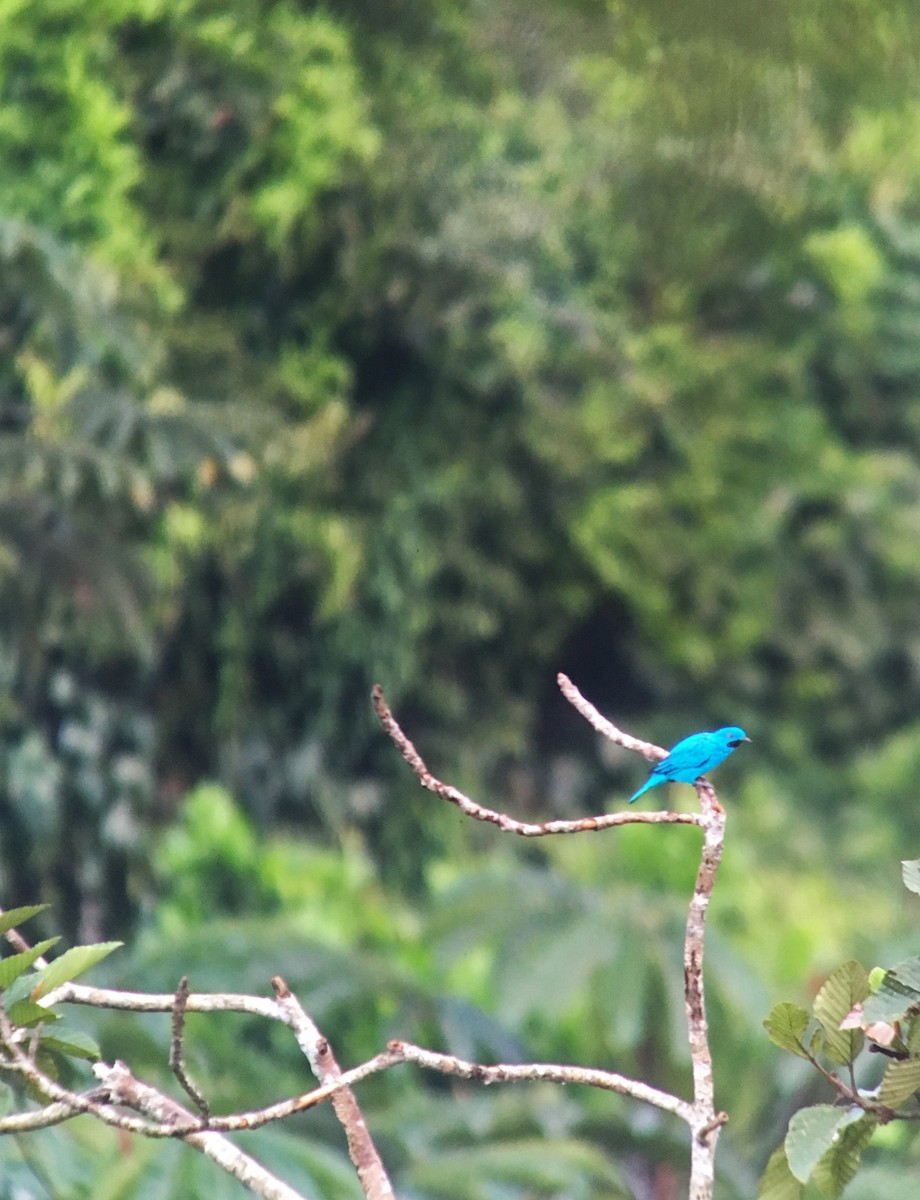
[449,344]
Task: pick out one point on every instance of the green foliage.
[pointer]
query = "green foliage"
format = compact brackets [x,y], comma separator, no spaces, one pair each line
[69,162]
[23,988]
[812,1132]
[824,1143]
[841,992]
[74,1043]
[823,1146]
[69,965]
[542,1167]
[897,994]
[900,1081]
[209,861]
[778,1182]
[450,346]
[12,917]
[841,1161]
[515,401]
[13,965]
[785,1025]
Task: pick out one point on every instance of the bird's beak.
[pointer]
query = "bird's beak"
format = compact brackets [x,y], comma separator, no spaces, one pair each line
[745,738]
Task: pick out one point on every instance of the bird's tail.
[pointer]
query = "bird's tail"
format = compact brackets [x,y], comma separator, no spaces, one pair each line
[649,783]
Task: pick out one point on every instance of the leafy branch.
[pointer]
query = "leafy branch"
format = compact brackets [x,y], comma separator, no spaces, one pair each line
[855,1010]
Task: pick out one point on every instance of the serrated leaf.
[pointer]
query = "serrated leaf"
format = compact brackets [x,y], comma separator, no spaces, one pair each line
[901,1079]
[26,1013]
[812,1132]
[778,1182]
[72,1042]
[17,916]
[840,1164]
[845,987]
[13,965]
[910,873]
[898,992]
[72,962]
[785,1026]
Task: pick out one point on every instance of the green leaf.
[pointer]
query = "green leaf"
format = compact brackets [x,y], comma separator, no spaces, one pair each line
[812,1132]
[841,1162]
[910,873]
[72,963]
[785,1026]
[898,992]
[27,1012]
[14,965]
[876,976]
[17,916]
[72,1042]
[846,986]
[901,1079]
[778,1182]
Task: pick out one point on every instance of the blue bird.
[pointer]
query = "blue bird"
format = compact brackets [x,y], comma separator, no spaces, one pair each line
[694,756]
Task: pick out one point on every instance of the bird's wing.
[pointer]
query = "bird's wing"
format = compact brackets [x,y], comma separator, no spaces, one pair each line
[694,752]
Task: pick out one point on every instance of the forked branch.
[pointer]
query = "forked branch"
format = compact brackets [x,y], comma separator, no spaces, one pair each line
[701,1115]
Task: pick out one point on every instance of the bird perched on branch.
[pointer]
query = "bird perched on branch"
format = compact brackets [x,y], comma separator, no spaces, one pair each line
[693,757]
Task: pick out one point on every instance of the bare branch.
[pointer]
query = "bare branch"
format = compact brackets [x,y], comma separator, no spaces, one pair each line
[502,820]
[123,1088]
[162,1002]
[288,1108]
[39,1118]
[20,1063]
[72,1104]
[704,1121]
[647,749]
[361,1148]
[608,1081]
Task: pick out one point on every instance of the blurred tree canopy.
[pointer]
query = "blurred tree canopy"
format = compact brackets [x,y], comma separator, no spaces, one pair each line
[449,345]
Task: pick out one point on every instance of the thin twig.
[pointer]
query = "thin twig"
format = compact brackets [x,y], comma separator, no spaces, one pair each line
[610,731]
[162,1002]
[72,1104]
[852,1095]
[608,1081]
[175,1050]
